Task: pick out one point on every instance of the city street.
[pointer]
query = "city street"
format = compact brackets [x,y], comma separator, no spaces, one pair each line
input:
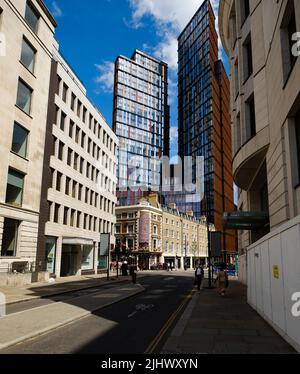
[135,325]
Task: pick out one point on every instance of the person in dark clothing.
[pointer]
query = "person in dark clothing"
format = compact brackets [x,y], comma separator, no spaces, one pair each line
[199,273]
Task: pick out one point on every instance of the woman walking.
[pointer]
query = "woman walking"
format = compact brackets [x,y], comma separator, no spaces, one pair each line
[222,280]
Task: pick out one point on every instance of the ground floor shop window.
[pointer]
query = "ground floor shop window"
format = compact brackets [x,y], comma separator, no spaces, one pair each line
[50,254]
[87,257]
[10,237]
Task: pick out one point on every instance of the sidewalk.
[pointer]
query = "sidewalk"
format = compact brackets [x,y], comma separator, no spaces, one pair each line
[61,285]
[212,324]
[18,327]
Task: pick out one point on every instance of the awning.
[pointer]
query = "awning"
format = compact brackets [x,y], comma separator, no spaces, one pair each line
[245,220]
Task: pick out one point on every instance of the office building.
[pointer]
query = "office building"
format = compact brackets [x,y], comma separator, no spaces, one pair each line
[79,179]
[27,28]
[265,106]
[141,122]
[204,120]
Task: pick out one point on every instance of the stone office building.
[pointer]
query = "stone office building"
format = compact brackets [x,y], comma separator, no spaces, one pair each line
[27,28]
[79,179]
[258,37]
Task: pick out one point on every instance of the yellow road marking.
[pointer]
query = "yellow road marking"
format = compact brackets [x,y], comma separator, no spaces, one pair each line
[167,325]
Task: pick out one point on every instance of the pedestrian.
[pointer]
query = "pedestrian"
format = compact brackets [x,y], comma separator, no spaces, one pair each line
[222,280]
[198,276]
[169,266]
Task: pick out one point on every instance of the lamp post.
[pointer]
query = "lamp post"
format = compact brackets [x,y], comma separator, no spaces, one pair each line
[208,244]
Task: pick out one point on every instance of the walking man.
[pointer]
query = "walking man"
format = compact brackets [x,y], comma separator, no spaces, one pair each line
[198,276]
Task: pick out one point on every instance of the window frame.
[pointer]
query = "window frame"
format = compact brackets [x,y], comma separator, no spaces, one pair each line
[33,9]
[27,140]
[24,39]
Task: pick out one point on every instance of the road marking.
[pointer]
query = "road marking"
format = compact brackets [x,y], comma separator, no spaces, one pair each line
[169,278]
[165,328]
[141,308]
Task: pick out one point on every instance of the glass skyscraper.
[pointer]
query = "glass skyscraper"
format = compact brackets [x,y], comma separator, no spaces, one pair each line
[203,117]
[141,122]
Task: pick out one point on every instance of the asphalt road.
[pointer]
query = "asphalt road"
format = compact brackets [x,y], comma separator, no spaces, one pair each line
[136,325]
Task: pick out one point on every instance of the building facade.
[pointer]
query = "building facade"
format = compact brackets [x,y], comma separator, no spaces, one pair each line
[141,122]
[259,39]
[204,119]
[27,29]
[157,235]
[79,180]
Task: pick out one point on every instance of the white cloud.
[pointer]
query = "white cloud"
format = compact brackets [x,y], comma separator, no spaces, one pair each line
[171,17]
[56,10]
[174,134]
[106,76]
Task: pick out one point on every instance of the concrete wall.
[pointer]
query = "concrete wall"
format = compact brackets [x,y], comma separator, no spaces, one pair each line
[274,277]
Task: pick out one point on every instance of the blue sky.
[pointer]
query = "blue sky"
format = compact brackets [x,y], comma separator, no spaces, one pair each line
[93,33]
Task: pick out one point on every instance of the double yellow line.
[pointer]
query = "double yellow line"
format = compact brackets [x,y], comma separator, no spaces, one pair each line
[163,331]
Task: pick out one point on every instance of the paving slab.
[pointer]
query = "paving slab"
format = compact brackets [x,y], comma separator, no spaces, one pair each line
[224,325]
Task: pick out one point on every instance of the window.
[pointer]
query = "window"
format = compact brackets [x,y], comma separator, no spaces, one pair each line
[24,97]
[155,230]
[10,237]
[66,215]
[248,63]
[67,190]
[288,28]
[250,118]
[78,220]
[14,190]
[62,121]
[79,105]
[19,143]
[73,98]
[118,229]
[80,191]
[71,129]
[60,150]
[56,213]
[58,181]
[31,17]
[65,92]
[245,10]
[69,160]
[72,218]
[28,55]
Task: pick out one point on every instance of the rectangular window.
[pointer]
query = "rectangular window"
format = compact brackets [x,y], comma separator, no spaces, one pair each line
[71,129]
[78,219]
[73,98]
[70,152]
[56,213]
[67,190]
[62,121]
[28,55]
[250,119]
[65,92]
[74,188]
[79,105]
[31,17]
[80,192]
[14,190]
[19,143]
[66,214]
[248,60]
[72,220]
[288,29]
[50,254]
[24,97]
[58,181]
[10,237]
[60,150]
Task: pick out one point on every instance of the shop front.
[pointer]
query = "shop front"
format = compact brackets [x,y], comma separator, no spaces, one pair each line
[77,257]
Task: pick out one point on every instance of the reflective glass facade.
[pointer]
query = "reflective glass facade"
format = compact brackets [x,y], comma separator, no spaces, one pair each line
[141,122]
[204,119]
